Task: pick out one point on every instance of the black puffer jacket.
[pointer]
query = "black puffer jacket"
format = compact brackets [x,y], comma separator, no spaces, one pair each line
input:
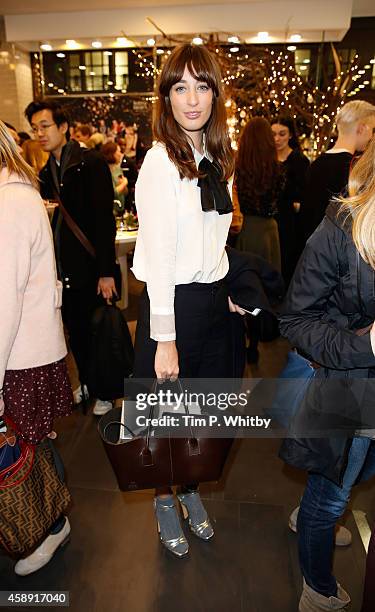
[332,295]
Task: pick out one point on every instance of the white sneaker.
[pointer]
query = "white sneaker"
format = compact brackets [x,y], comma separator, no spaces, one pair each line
[343,537]
[79,395]
[44,553]
[101,407]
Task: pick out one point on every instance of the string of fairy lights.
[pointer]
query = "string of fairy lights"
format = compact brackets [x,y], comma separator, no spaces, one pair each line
[262,81]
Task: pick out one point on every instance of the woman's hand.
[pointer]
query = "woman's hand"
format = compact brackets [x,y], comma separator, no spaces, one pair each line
[122,185]
[235,308]
[166,361]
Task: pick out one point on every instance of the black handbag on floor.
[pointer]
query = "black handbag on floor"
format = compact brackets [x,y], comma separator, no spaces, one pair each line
[111,353]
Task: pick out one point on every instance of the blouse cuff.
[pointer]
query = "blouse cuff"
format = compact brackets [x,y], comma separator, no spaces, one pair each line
[162,327]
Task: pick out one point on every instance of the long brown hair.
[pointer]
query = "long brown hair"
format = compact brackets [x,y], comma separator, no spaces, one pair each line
[257,168]
[11,159]
[360,203]
[203,67]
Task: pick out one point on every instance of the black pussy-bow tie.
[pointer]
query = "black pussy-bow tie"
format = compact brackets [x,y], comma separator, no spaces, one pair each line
[214,192]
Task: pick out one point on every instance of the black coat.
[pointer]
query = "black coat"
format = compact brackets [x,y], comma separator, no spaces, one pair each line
[330,297]
[86,191]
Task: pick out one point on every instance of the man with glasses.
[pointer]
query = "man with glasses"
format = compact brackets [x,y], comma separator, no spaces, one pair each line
[80,180]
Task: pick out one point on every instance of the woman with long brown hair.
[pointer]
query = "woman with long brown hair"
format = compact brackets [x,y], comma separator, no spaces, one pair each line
[259,180]
[184,211]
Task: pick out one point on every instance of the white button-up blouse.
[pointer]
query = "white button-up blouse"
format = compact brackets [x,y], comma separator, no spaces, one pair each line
[177,242]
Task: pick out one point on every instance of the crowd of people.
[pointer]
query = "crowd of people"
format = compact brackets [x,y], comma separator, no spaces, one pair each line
[272,201]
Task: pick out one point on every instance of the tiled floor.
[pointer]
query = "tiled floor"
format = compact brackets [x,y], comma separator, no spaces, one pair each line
[114,562]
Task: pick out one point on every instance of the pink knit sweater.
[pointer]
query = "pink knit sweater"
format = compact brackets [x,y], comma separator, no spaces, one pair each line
[31,331]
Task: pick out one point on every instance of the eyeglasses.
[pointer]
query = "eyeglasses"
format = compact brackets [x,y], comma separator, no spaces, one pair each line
[41,128]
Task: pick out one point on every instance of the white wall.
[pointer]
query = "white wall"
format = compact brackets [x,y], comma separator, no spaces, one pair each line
[268,15]
[15,86]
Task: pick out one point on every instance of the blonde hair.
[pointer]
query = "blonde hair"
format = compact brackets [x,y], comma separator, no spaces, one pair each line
[34,155]
[353,112]
[11,159]
[360,204]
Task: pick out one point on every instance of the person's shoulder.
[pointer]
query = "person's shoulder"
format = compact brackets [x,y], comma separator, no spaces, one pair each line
[21,200]
[157,158]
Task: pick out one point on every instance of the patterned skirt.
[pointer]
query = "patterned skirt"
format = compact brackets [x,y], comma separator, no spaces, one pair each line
[34,397]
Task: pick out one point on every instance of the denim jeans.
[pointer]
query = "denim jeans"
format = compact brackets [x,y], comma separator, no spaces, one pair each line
[323,503]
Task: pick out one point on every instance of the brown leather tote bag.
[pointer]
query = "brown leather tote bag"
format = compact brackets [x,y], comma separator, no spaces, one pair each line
[146,461]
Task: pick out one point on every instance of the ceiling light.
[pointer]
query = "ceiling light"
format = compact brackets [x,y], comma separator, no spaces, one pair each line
[306,61]
[366,82]
[82,67]
[151,42]
[296,38]
[71,43]
[107,52]
[50,85]
[97,44]
[197,40]
[292,48]
[361,86]
[367,66]
[60,91]
[303,67]
[109,82]
[160,51]
[361,72]
[234,49]
[122,40]
[263,36]
[233,39]
[372,61]
[46,47]
[92,73]
[60,55]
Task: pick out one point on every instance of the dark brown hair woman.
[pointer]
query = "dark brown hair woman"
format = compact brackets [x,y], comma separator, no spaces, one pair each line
[258,181]
[184,211]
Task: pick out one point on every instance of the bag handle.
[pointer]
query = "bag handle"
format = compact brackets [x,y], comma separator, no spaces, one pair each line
[194,448]
[74,227]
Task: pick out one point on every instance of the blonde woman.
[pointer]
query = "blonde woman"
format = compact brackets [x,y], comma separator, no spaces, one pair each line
[34,384]
[329,317]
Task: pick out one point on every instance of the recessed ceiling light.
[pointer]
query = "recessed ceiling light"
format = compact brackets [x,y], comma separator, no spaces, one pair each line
[296,38]
[160,51]
[292,48]
[60,91]
[151,42]
[50,85]
[107,52]
[122,40]
[306,61]
[197,40]
[82,67]
[72,44]
[234,49]
[233,39]
[97,44]
[60,55]
[92,73]
[46,47]
[263,36]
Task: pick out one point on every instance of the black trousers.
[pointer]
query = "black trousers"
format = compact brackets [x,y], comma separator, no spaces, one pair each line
[78,306]
[202,332]
[202,338]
